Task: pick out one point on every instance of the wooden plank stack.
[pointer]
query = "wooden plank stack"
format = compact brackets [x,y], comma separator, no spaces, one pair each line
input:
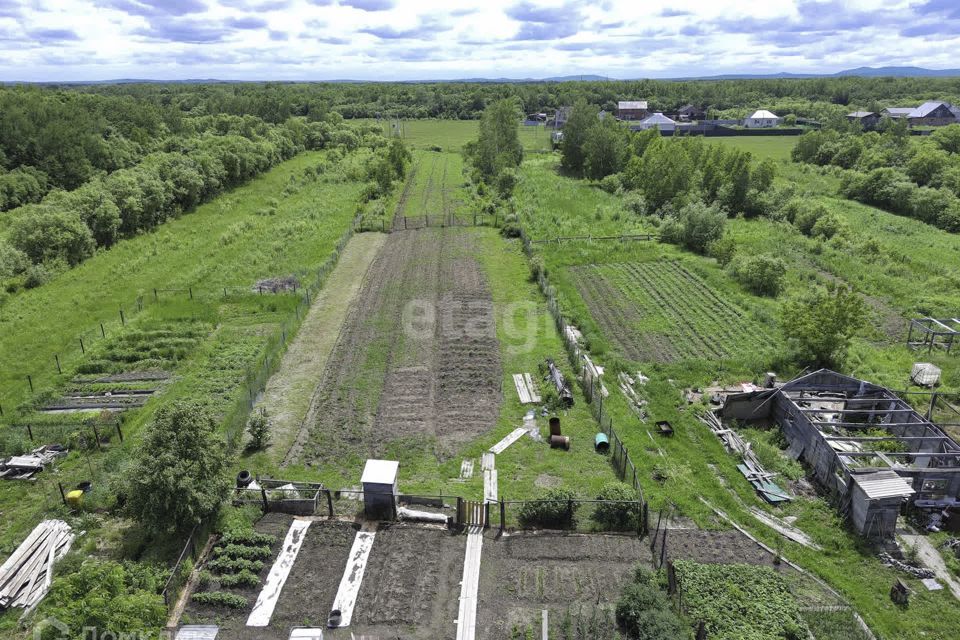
[26,466]
[26,576]
[751,468]
[526,389]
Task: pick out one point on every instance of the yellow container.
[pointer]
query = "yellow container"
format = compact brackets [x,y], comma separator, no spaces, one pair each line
[75,498]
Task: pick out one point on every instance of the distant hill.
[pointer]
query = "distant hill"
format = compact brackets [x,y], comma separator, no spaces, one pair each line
[866,72]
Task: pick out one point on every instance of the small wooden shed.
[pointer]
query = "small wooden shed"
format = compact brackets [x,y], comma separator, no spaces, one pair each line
[380,488]
[875,501]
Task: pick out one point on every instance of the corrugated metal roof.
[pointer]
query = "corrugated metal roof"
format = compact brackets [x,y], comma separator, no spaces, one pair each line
[883,484]
[860,114]
[658,118]
[900,111]
[626,104]
[763,114]
[927,108]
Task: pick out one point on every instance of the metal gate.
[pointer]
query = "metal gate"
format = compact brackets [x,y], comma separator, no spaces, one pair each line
[472,513]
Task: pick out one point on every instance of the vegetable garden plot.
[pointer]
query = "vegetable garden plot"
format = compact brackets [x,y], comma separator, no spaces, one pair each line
[577,578]
[661,312]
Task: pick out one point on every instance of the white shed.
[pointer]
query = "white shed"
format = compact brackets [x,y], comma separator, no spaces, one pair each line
[761,119]
[660,121]
[380,487]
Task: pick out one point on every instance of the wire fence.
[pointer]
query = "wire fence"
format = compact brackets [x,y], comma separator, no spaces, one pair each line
[591,385]
[302,285]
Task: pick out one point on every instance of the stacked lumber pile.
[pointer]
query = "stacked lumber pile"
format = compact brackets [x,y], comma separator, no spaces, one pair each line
[751,468]
[526,389]
[26,576]
[25,467]
[637,404]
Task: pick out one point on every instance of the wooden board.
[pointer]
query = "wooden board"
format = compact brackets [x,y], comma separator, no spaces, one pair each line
[514,435]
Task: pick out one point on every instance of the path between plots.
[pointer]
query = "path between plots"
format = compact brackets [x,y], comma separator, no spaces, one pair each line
[288,393]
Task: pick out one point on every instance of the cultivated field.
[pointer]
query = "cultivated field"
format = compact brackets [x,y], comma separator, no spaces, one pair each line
[416,365]
[576,578]
[662,312]
[432,188]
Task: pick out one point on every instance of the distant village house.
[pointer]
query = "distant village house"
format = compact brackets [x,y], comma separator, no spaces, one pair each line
[929,114]
[658,120]
[761,119]
[690,113]
[632,110]
[866,119]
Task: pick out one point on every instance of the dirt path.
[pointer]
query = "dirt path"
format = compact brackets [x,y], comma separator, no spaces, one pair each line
[289,392]
[417,360]
[931,559]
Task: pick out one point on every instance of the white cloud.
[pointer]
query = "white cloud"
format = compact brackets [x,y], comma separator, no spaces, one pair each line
[424,39]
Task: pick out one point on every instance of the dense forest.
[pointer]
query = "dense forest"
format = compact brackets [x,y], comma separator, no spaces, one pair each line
[84,165]
[817,97]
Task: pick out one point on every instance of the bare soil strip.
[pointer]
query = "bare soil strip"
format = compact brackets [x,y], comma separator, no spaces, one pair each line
[288,394]
[417,359]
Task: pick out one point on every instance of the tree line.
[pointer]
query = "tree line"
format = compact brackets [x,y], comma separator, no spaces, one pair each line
[214,153]
[914,176]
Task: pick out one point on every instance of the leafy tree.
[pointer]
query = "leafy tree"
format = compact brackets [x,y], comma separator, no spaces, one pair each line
[399,156]
[818,325]
[606,149]
[947,138]
[22,186]
[663,174]
[498,145]
[761,274]
[178,477]
[576,133]
[46,234]
[926,164]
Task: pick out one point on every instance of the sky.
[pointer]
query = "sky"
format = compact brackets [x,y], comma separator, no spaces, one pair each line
[60,40]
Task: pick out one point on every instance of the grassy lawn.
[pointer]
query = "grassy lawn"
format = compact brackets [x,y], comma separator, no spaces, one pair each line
[451,135]
[776,147]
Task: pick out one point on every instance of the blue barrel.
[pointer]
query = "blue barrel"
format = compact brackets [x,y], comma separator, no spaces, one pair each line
[601,443]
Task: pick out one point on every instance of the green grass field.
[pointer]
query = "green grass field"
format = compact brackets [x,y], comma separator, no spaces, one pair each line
[900,279]
[451,135]
[279,224]
[776,147]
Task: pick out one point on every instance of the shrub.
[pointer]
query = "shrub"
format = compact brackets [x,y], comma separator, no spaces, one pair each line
[249,552]
[612,183]
[220,599]
[644,612]
[12,261]
[249,538]
[828,226]
[622,512]
[635,203]
[258,428]
[695,226]
[556,510]
[225,564]
[242,578]
[762,274]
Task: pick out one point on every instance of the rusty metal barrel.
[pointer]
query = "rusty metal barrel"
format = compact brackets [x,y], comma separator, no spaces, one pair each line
[560,442]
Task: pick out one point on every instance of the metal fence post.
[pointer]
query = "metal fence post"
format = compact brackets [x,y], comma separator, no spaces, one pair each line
[329,502]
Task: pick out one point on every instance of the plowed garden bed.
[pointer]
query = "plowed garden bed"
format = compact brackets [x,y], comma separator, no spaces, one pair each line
[659,311]
[417,363]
